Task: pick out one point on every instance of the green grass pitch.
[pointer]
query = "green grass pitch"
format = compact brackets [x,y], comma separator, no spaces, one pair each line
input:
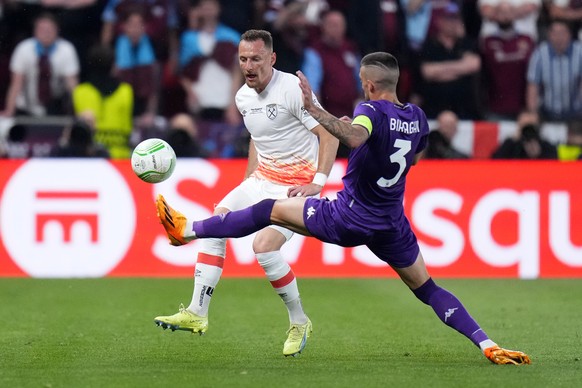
[367,333]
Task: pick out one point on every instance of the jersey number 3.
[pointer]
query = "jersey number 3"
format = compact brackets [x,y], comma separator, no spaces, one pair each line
[397,157]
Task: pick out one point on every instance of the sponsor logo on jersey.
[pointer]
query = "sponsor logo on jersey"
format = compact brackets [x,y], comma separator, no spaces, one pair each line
[271,111]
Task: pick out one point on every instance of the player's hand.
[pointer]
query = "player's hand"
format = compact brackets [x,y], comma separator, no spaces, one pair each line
[306,90]
[346,119]
[304,191]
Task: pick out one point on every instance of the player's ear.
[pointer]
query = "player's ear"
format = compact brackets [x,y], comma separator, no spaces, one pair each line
[273,58]
[371,86]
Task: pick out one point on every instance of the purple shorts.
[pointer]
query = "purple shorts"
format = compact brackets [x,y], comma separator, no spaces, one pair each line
[397,246]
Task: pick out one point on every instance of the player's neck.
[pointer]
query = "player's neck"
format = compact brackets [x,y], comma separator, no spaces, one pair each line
[388,96]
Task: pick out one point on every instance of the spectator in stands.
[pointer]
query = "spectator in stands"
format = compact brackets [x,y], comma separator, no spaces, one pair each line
[393,27]
[77,142]
[393,39]
[136,64]
[505,54]
[291,34]
[45,70]
[79,23]
[418,15]
[570,11]
[337,83]
[209,65]
[450,66]
[527,143]
[183,136]
[554,76]
[440,139]
[160,19]
[106,104]
[524,14]
[572,149]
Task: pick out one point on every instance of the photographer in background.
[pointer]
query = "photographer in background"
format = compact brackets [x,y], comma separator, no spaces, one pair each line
[527,144]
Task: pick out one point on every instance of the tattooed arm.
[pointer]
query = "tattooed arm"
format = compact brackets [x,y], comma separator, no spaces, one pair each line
[350,135]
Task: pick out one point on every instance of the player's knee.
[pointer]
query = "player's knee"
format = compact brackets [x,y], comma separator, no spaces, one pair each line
[220,210]
[264,246]
[268,240]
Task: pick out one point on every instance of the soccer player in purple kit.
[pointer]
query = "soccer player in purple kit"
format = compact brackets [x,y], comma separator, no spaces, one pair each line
[387,137]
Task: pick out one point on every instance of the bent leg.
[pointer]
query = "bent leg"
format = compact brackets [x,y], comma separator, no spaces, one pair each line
[446,306]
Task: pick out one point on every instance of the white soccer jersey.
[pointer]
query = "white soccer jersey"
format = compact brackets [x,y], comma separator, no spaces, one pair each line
[280,127]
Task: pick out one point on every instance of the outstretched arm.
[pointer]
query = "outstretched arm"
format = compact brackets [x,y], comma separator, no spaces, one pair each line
[350,135]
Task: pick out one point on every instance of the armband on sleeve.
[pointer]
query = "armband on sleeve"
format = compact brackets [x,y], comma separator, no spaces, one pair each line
[364,121]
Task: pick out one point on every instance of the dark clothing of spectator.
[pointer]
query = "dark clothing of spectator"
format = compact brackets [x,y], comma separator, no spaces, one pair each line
[505,61]
[521,148]
[339,85]
[79,144]
[460,95]
[184,145]
[441,148]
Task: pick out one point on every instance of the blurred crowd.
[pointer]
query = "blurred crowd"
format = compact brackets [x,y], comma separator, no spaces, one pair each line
[124,70]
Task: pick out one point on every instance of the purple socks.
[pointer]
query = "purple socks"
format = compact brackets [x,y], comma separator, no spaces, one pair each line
[450,310]
[238,223]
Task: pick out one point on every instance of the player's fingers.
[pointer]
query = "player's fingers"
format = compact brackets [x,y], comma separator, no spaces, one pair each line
[292,192]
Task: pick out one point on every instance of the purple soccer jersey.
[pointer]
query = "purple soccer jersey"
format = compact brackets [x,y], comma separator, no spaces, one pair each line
[369,210]
[376,172]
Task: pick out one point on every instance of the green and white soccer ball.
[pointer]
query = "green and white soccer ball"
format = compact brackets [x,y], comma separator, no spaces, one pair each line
[153,160]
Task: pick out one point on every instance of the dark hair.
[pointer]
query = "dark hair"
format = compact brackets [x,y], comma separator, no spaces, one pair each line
[254,35]
[380,59]
[388,64]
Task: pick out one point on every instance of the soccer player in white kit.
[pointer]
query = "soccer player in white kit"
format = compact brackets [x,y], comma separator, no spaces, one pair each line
[290,154]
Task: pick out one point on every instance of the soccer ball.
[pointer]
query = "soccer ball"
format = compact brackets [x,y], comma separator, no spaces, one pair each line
[153,160]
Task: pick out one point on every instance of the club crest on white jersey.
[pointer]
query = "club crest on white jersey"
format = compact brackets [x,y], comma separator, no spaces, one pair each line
[271,111]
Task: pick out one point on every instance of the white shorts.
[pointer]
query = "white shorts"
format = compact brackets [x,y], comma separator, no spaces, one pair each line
[252,191]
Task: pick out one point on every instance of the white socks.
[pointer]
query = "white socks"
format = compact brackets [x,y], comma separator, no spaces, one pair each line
[283,281]
[207,274]
[486,344]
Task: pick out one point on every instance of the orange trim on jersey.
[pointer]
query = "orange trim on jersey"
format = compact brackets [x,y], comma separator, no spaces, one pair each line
[214,260]
[298,173]
[285,280]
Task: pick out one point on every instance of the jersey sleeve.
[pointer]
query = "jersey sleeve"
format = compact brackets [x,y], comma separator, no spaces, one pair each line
[294,100]
[364,115]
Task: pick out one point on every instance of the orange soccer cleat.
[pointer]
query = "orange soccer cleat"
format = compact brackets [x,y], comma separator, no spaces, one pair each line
[173,221]
[498,355]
